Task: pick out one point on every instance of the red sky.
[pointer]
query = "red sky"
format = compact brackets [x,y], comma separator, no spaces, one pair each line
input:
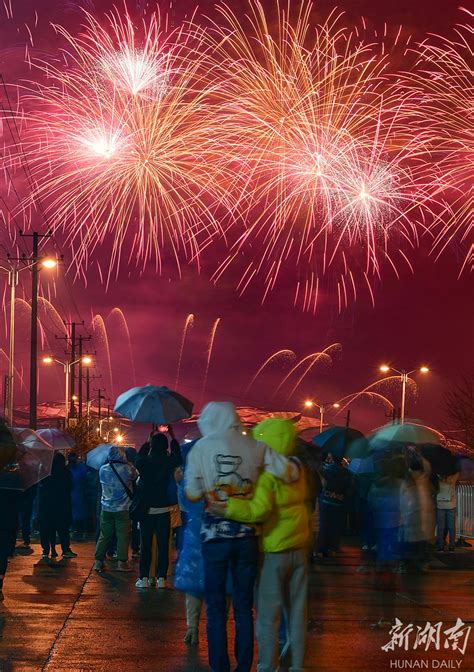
[421,318]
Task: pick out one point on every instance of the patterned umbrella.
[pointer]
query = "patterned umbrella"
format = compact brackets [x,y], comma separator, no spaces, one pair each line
[155,404]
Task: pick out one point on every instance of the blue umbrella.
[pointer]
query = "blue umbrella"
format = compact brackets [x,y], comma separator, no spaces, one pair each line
[153,403]
[98,456]
[362,465]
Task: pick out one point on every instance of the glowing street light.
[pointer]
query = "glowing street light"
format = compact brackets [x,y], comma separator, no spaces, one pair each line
[67,366]
[404,375]
[309,403]
[13,270]
[49,263]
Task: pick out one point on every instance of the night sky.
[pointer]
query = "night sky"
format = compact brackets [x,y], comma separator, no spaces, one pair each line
[422,318]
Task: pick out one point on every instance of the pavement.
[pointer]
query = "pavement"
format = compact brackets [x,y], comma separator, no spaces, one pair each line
[64,617]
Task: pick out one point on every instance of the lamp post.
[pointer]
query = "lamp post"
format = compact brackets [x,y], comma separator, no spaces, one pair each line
[322,409]
[86,360]
[404,375]
[13,271]
[107,419]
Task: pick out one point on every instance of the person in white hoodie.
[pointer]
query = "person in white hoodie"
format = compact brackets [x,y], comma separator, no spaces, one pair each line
[224,463]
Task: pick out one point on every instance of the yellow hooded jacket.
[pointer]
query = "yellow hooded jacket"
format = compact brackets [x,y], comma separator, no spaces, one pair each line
[284,509]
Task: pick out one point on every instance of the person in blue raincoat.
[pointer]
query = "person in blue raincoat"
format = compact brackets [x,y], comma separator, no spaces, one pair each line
[78,472]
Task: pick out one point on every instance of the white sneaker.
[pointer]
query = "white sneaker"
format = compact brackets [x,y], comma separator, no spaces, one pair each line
[142,583]
[161,583]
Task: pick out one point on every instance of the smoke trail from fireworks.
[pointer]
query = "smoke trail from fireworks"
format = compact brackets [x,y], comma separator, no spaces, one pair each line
[280,354]
[209,355]
[189,323]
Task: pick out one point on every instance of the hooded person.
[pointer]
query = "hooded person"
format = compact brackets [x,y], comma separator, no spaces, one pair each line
[116,478]
[225,463]
[78,471]
[284,509]
[54,509]
[156,471]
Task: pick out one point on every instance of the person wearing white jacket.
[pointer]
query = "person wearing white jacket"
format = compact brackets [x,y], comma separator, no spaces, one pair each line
[226,462]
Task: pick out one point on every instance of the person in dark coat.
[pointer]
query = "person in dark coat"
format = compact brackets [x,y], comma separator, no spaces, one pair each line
[337,486]
[78,472]
[9,505]
[26,511]
[155,473]
[55,512]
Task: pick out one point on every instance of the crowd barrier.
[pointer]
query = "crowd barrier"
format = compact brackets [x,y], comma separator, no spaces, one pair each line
[465,510]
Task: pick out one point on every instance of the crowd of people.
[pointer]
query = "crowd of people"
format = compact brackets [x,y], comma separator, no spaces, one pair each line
[249,511]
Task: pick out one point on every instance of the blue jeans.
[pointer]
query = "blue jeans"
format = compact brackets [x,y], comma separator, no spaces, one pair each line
[240,556]
[445,520]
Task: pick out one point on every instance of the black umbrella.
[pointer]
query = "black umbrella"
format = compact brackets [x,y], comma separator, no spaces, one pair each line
[337,440]
[442,461]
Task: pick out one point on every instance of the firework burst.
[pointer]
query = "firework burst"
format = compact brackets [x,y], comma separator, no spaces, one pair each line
[318,138]
[122,143]
[441,83]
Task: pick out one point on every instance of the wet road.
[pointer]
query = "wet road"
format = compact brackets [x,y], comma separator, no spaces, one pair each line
[66,618]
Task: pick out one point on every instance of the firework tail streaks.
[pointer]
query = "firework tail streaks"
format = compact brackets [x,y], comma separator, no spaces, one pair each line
[325,356]
[280,354]
[109,150]
[50,313]
[209,355]
[373,396]
[370,389]
[4,357]
[117,314]
[313,358]
[188,324]
[98,326]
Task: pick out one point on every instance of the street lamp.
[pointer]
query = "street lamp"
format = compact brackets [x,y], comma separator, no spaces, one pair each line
[13,271]
[322,409]
[67,366]
[99,429]
[404,375]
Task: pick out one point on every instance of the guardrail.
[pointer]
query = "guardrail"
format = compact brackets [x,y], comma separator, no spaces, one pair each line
[465,510]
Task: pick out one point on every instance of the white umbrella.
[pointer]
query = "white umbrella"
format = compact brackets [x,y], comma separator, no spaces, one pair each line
[32,462]
[56,438]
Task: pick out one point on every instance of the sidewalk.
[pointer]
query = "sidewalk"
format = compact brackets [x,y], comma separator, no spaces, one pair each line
[67,618]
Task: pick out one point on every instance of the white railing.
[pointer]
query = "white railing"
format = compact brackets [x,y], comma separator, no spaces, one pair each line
[465,510]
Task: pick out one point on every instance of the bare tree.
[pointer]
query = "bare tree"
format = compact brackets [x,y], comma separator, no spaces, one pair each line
[460,406]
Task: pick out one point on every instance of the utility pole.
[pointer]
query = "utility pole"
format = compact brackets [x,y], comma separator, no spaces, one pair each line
[73,339]
[34,324]
[100,396]
[81,340]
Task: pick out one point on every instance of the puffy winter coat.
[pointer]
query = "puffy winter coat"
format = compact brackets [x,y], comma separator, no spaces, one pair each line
[283,508]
